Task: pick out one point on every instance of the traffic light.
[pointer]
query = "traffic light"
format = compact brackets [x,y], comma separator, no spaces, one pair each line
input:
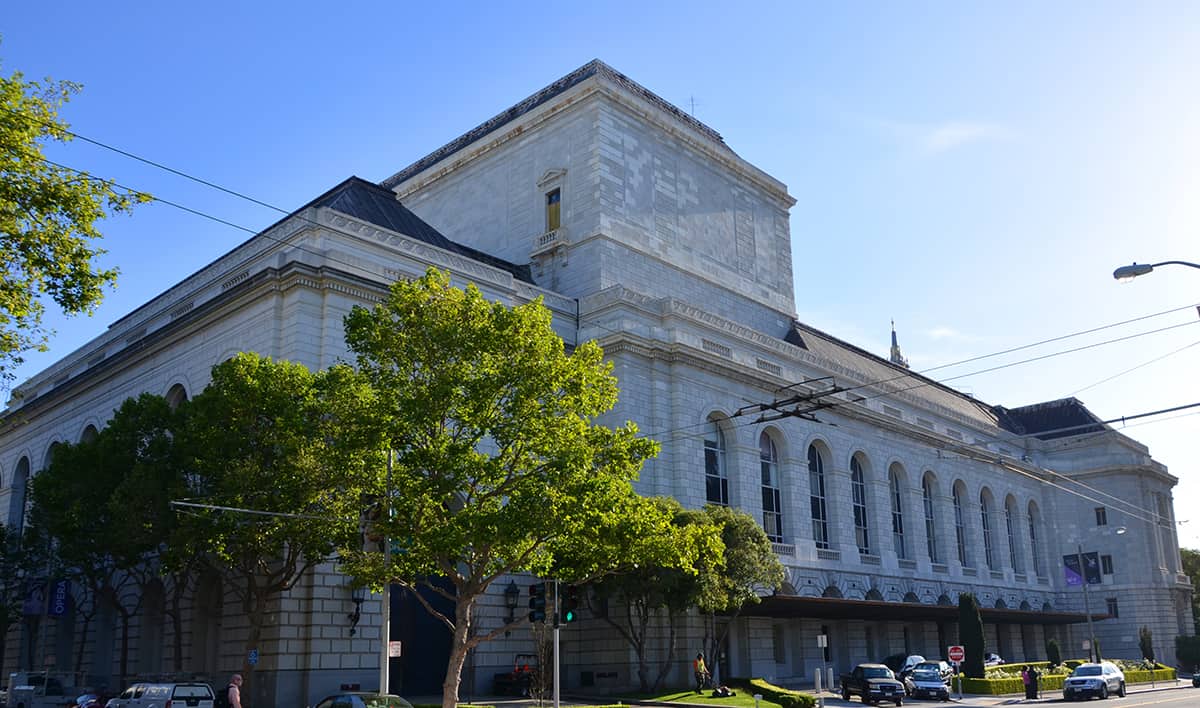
[537,602]
[570,604]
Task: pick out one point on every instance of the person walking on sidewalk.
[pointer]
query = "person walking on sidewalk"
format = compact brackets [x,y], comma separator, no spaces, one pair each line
[1025,679]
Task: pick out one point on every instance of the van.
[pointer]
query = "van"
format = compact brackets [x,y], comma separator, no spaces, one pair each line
[165,695]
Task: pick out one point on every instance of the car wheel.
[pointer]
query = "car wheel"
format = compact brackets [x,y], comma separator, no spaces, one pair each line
[1121,690]
[1103,691]
[845,694]
[899,701]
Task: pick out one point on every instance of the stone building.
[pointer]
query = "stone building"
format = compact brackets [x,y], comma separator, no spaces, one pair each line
[885,494]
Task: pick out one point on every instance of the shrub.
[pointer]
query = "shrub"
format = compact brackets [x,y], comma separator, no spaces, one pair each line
[1053,652]
[784,697]
[1188,651]
[1146,643]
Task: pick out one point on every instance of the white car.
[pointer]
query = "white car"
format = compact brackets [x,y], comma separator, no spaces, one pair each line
[1094,680]
[990,659]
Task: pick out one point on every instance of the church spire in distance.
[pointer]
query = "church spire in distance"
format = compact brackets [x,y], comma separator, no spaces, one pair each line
[897,358]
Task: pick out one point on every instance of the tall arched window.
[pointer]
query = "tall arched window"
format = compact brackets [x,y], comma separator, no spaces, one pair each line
[931,540]
[816,487]
[1010,525]
[716,483]
[960,526]
[985,519]
[895,473]
[858,493]
[1034,547]
[768,462]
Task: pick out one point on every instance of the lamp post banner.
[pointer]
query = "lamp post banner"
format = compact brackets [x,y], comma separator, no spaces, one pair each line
[1091,568]
[1071,570]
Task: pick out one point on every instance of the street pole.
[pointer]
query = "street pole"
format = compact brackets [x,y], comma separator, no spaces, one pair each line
[557,606]
[385,658]
[1087,606]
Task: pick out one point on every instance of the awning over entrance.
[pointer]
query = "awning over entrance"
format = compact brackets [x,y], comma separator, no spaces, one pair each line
[785,606]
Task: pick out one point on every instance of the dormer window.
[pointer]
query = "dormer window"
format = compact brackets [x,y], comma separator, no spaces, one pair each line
[553,219]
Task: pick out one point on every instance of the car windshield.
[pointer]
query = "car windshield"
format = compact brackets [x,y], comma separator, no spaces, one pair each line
[878,672]
[1087,671]
[926,675]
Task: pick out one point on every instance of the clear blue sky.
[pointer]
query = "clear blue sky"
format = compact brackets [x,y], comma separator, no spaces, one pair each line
[973,170]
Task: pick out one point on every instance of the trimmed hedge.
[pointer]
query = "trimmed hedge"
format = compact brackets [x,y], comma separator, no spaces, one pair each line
[786,698]
[1004,684]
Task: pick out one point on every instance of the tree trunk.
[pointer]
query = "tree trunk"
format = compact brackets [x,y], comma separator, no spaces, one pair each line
[458,650]
[253,636]
[672,637]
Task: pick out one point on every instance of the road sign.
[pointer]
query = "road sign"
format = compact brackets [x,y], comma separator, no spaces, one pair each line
[252,657]
[394,650]
[956,654]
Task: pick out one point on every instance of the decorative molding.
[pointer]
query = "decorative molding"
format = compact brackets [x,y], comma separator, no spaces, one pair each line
[555,174]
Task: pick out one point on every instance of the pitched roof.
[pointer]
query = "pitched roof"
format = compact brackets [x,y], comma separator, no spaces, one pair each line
[593,68]
[1052,419]
[372,203]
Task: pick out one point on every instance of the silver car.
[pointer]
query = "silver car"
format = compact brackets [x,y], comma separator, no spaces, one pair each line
[1094,680]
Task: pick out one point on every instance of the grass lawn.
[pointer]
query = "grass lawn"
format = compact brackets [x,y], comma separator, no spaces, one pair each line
[741,700]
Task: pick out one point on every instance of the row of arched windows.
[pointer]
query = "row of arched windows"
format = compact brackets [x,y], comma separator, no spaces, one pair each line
[868,540]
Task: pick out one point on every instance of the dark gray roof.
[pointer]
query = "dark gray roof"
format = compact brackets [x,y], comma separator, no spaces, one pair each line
[593,68]
[1052,419]
[842,357]
[368,201]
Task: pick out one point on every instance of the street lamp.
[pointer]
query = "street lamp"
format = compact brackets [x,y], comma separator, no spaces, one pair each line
[1129,272]
[1087,605]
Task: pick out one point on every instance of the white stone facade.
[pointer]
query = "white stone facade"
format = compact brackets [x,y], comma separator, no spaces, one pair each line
[673,253]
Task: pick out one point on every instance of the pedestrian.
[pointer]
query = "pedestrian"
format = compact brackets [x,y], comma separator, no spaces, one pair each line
[1025,680]
[701,671]
[234,691]
[1034,681]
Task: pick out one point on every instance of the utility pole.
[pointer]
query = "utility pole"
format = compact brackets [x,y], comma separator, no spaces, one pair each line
[1087,606]
[557,606]
[385,658]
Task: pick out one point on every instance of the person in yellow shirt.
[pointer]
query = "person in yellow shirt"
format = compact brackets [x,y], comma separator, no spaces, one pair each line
[701,672]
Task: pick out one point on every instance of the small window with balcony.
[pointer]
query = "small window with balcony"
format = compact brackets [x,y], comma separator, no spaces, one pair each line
[1106,565]
[553,212]
[1113,610]
[1101,516]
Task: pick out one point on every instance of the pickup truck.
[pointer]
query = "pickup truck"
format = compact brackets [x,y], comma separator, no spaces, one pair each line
[873,683]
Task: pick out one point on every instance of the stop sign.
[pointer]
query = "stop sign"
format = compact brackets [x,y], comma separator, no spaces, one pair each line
[956,654]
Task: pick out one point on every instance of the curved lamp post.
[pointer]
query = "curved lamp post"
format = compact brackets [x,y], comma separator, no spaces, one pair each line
[1087,605]
[1129,272]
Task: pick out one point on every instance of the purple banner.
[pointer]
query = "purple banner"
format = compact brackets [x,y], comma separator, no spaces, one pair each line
[34,604]
[60,598]
[1090,571]
[1072,571]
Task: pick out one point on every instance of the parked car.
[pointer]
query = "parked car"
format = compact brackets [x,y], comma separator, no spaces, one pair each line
[362,699]
[873,683]
[160,695]
[1094,680]
[944,669]
[928,683]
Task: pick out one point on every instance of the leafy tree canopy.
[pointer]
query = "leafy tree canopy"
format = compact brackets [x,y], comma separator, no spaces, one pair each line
[499,464]
[48,218]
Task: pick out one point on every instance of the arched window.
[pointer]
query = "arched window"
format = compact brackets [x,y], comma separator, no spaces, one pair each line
[716,483]
[1034,547]
[18,497]
[1010,525]
[931,542]
[89,434]
[895,473]
[772,510]
[176,396]
[960,526]
[816,491]
[858,493]
[985,519]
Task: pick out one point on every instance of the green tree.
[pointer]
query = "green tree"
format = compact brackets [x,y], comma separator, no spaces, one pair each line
[970,632]
[749,569]
[1187,650]
[272,451]
[1146,643]
[633,601]
[84,500]
[1191,566]
[498,459]
[1053,652]
[12,570]
[48,218]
